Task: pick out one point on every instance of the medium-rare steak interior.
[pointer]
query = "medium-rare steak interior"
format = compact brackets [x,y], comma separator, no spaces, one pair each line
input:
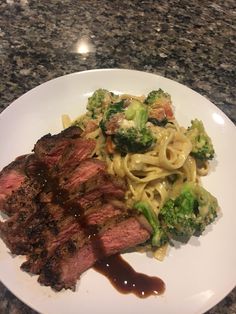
[64,211]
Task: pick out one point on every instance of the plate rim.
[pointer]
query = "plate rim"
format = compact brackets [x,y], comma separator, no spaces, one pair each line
[111,70]
[15,103]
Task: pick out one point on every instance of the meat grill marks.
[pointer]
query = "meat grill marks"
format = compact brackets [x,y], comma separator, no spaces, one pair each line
[66,266]
[19,184]
[46,218]
[69,228]
[71,212]
[63,151]
[11,178]
[49,147]
[35,220]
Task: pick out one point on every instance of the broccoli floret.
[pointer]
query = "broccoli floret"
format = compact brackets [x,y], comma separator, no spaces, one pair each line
[159,107]
[159,237]
[137,112]
[189,213]
[126,124]
[98,102]
[133,140]
[202,147]
[207,206]
[111,111]
[157,97]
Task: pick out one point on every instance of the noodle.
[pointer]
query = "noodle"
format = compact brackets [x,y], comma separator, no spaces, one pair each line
[156,174]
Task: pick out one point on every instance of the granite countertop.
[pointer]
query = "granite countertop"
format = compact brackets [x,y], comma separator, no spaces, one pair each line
[192,42]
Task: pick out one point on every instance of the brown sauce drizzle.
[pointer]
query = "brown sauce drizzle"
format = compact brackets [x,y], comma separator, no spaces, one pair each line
[122,276]
[71,208]
[126,280]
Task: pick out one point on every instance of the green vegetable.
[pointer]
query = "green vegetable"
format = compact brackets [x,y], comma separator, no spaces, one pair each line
[98,102]
[157,97]
[159,237]
[111,110]
[128,132]
[181,217]
[189,213]
[155,101]
[137,112]
[133,140]
[202,147]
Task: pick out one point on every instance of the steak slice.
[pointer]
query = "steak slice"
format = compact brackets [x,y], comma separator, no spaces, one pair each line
[19,184]
[63,150]
[63,269]
[66,211]
[86,170]
[72,228]
[11,179]
[84,182]
[13,231]
[33,226]
[72,132]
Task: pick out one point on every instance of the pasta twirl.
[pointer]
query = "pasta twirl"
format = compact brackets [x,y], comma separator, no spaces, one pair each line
[153,173]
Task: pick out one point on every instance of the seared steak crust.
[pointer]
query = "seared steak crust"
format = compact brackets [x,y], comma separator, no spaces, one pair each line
[19,184]
[65,212]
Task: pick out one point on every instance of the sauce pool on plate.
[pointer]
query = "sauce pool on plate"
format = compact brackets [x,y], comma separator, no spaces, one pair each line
[126,280]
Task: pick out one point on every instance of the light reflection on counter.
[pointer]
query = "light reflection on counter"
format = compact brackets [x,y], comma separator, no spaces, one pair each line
[21,3]
[83,46]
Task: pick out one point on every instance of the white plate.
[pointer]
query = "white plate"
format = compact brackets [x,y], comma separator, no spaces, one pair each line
[197,275]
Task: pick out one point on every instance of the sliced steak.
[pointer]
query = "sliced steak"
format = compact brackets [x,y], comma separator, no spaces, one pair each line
[77,151]
[37,223]
[66,211]
[72,227]
[11,179]
[86,170]
[65,149]
[13,231]
[19,184]
[63,270]
[113,187]
[72,132]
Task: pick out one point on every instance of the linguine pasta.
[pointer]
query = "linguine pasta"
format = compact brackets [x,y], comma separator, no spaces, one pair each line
[151,176]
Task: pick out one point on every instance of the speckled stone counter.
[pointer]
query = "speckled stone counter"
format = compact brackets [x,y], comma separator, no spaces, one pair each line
[192,42]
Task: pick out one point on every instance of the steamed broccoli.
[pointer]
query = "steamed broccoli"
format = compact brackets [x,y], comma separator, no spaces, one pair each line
[137,112]
[189,213]
[133,140]
[181,217]
[98,102]
[159,237]
[157,97]
[159,107]
[111,112]
[126,124]
[202,147]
